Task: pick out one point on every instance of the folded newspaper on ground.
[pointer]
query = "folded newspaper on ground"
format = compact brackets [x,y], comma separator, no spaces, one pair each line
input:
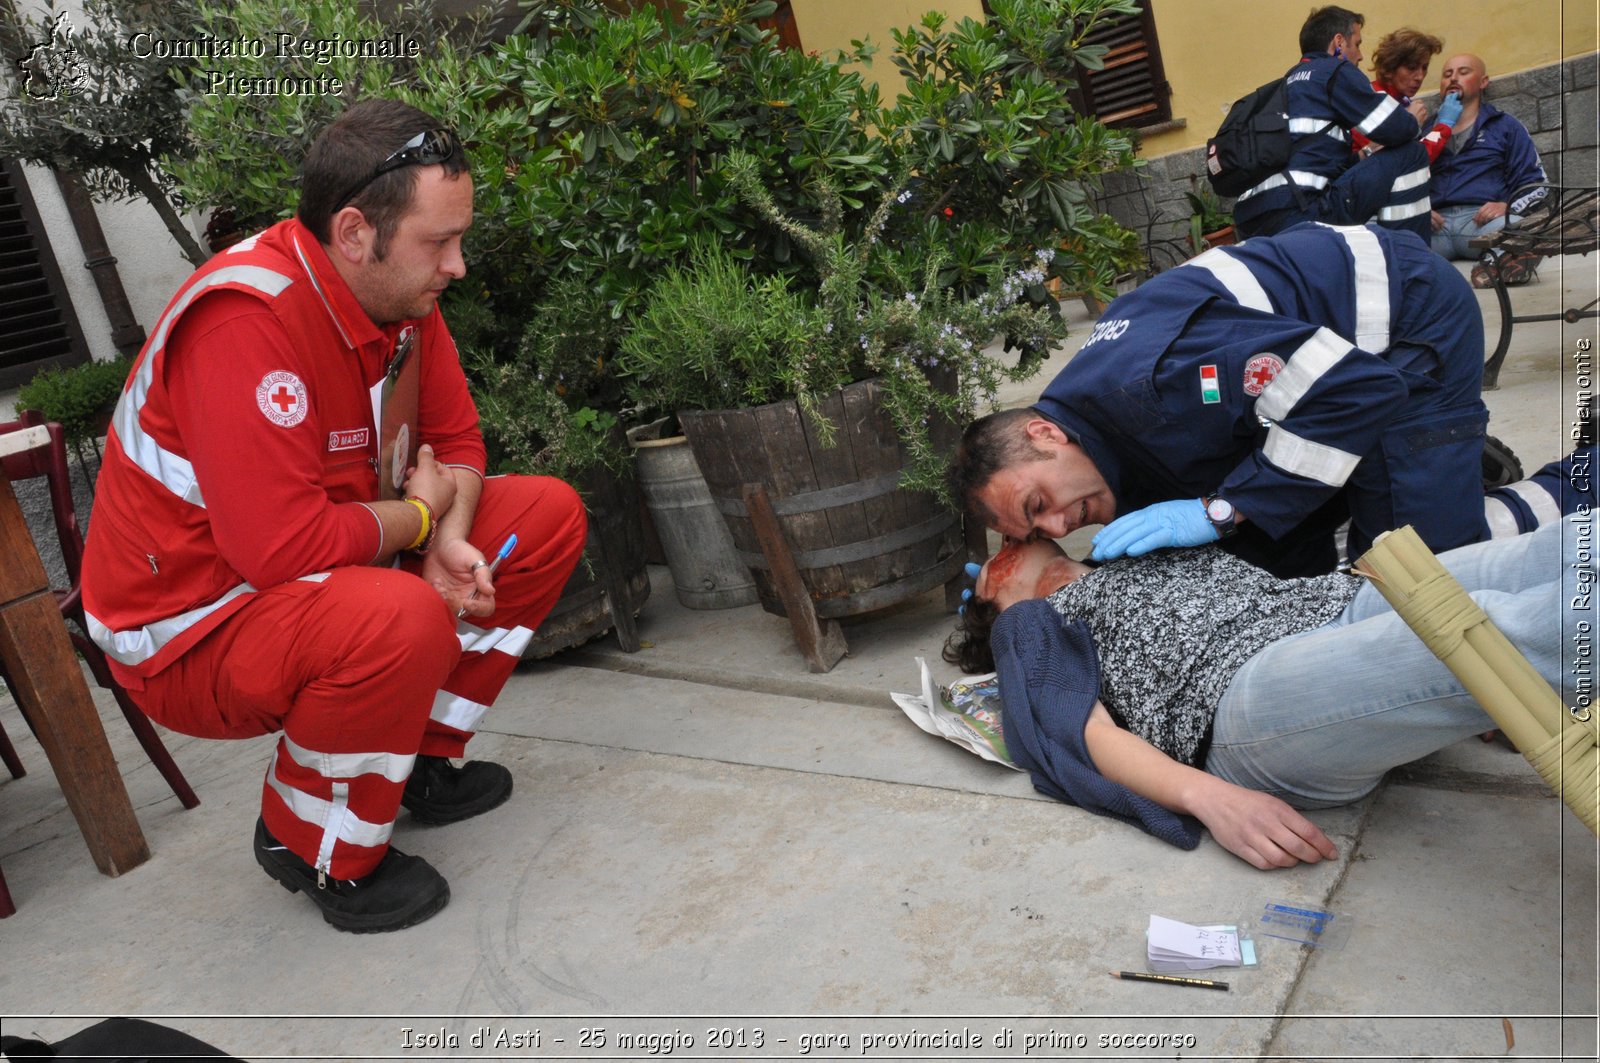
[967,712]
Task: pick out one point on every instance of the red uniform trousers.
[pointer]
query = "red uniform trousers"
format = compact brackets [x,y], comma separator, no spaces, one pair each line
[363,668]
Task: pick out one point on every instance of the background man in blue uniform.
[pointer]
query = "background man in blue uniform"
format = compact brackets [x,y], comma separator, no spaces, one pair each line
[1327,97]
[1488,173]
[1289,382]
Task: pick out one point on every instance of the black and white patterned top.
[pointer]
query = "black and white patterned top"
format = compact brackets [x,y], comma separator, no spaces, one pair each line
[1172,629]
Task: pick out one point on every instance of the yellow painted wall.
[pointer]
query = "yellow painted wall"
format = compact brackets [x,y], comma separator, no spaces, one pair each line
[829,25]
[1217,50]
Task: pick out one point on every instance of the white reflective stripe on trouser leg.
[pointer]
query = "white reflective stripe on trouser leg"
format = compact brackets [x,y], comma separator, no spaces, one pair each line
[344,826]
[452,710]
[396,767]
[1403,211]
[1501,520]
[508,640]
[1407,181]
[1545,508]
[1309,363]
[1303,457]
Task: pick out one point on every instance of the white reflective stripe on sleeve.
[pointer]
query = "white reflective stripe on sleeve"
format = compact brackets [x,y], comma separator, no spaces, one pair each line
[1502,522]
[508,640]
[136,646]
[1544,507]
[1405,210]
[1235,276]
[1407,181]
[1300,373]
[458,712]
[1375,117]
[396,767]
[1314,461]
[166,468]
[351,829]
[1371,286]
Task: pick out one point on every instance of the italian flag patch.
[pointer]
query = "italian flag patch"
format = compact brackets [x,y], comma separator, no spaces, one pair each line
[1209,393]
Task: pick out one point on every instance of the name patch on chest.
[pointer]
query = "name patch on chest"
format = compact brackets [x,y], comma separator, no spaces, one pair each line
[349,439]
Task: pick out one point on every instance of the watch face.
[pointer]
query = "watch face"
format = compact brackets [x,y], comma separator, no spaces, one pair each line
[1219,510]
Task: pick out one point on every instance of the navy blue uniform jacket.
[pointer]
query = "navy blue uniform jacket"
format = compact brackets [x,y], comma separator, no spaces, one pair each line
[1268,371]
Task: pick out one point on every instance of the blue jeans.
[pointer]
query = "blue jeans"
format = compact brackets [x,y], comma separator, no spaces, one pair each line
[1318,718]
[1452,240]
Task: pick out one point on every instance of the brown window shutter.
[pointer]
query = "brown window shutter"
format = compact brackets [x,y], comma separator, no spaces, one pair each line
[38,329]
[782,20]
[1132,89]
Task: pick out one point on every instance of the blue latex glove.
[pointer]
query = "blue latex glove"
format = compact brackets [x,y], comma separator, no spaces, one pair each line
[1449,110]
[1179,523]
[971,568]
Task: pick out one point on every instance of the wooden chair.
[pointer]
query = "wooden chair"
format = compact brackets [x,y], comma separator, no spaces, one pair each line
[49,461]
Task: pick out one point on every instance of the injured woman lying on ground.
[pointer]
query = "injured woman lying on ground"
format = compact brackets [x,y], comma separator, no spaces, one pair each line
[1188,685]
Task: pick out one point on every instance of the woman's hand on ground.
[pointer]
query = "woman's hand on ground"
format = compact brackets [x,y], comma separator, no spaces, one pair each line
[1260,829]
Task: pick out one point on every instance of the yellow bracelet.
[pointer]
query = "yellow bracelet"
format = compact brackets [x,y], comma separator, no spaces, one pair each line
[427,523]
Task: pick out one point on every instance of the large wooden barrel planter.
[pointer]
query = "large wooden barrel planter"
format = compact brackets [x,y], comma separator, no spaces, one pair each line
[861,542]
[613,557]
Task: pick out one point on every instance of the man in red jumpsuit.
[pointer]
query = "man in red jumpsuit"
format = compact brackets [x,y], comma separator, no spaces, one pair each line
[246,574]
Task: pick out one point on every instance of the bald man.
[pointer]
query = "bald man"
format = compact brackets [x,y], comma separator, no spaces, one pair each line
[1488,173]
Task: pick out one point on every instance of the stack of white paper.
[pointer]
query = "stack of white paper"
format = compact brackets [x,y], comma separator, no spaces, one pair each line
[1179,946]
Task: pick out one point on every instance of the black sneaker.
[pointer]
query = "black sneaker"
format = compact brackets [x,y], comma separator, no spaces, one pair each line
[402,890]
[439,792]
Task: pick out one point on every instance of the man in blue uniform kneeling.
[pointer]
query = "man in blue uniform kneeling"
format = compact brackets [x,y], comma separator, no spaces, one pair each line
[1328,97]
[1260,394]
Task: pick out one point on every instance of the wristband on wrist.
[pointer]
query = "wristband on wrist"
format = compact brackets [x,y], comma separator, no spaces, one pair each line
[430,525]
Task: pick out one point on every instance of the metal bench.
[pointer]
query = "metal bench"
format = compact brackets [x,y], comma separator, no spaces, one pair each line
[1564,222]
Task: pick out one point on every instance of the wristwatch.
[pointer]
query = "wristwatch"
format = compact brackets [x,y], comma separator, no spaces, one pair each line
[1220,512]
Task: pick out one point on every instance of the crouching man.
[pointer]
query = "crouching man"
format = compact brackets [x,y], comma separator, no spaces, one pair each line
[258,564]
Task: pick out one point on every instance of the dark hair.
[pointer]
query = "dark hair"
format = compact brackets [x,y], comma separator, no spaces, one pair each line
[989,445]
[1326,23]
[968,645]
[348,152]
[1404,47]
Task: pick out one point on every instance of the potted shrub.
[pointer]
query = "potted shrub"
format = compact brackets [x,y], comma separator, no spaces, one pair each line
[842,403]
[551,411]
[1210,225]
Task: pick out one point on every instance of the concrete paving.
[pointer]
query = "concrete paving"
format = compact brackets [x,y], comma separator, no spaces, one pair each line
[708,842]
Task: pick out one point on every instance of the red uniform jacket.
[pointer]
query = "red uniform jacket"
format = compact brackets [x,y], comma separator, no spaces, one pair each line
[245,444]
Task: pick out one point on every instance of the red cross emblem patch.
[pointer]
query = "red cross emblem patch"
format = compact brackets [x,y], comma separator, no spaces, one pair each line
[1260,372]
[282,397]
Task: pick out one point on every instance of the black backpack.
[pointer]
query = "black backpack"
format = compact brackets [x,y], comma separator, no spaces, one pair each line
[1253,142]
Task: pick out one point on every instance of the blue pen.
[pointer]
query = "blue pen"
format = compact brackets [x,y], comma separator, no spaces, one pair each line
[503,553]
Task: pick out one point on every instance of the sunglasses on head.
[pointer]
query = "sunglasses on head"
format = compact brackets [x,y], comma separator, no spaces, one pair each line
[428,148]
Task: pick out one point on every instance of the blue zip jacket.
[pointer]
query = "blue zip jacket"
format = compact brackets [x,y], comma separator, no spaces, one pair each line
[1263,372]
[1495,161]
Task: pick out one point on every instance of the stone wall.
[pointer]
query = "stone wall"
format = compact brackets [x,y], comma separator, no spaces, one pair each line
[1556,103]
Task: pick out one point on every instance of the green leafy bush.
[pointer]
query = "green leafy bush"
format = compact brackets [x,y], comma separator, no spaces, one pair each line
[713,336]
[76,397]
